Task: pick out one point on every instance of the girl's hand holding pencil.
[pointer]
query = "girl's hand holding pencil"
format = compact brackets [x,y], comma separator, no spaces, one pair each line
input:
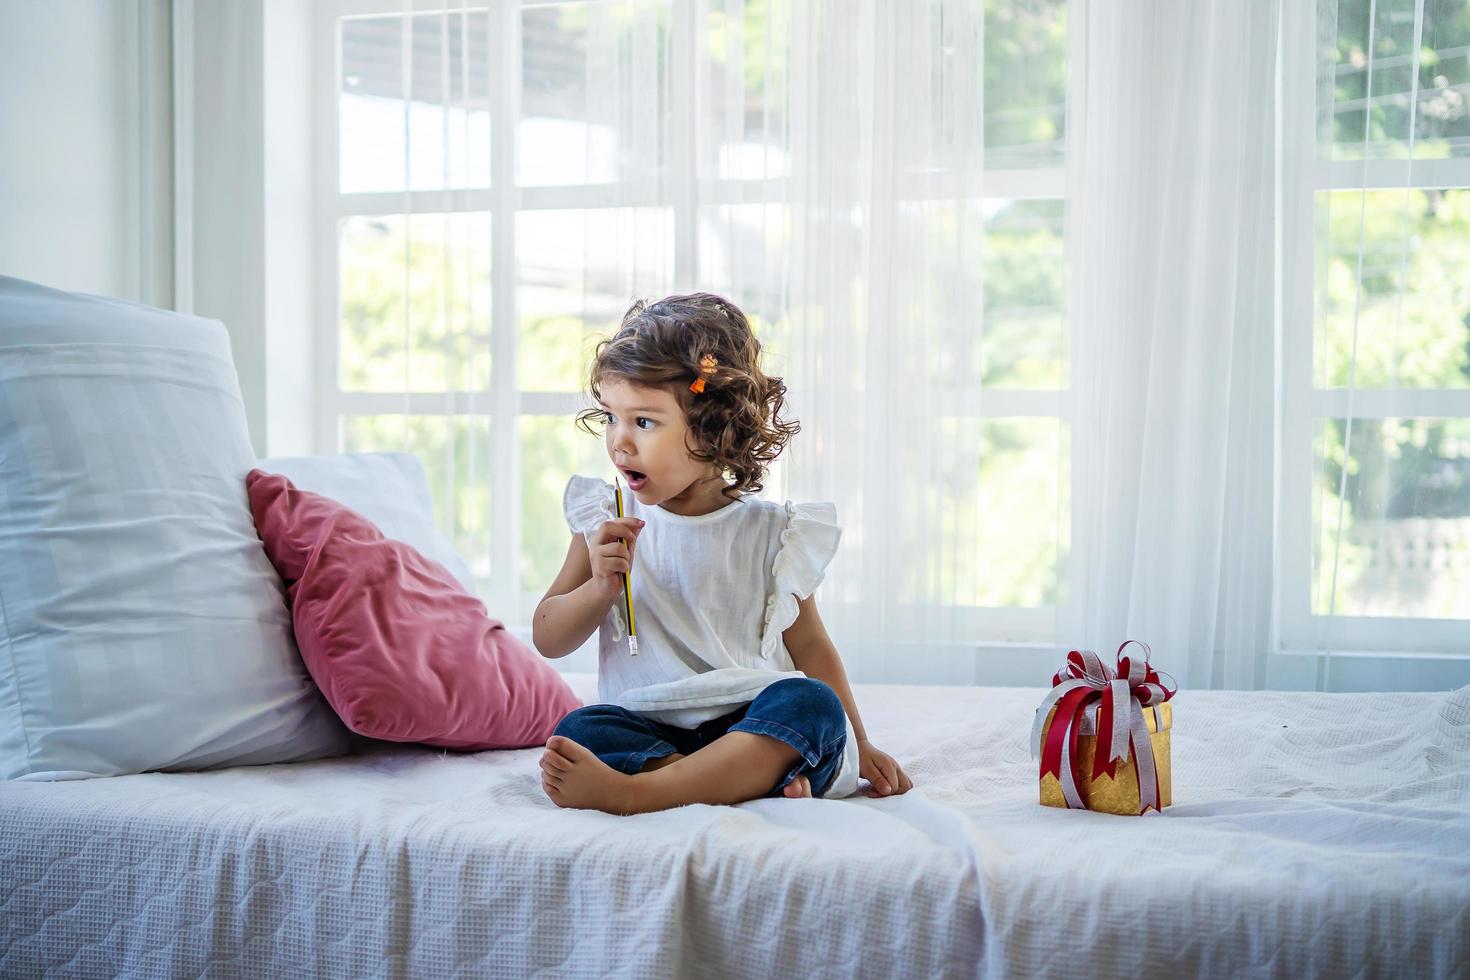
[627,582]
[612,554]
[612,562]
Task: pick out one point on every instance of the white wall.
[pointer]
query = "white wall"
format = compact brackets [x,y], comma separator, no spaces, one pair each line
[84,148]
[88,196]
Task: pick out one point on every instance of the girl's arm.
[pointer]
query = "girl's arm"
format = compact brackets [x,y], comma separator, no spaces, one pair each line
[813,653]
[572,608]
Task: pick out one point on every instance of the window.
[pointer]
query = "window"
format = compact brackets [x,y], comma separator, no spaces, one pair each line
[479,187]
[1375,502]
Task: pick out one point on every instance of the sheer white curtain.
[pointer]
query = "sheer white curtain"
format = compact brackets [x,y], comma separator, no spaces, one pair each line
[902,170]
[882,328]
[1173,232]
[1168,452]
[879,186]
[1272,346]
[1099,320]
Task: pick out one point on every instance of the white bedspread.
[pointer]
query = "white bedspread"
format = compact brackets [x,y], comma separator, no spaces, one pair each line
[1311,835]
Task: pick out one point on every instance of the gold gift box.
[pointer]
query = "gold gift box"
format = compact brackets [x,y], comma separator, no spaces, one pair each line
[1119,794]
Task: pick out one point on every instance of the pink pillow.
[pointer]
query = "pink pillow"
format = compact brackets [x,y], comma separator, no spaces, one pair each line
[400,649]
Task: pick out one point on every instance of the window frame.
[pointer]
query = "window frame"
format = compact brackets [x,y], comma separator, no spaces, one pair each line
[502,404]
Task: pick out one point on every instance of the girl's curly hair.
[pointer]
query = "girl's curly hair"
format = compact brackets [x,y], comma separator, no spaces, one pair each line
[735,420]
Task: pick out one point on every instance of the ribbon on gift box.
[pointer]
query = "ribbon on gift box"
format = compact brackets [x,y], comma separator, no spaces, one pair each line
[1083,679]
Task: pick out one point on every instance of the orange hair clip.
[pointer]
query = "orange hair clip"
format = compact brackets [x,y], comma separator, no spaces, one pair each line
[707,365]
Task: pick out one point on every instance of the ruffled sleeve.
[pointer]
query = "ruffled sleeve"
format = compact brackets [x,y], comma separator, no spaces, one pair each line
[808,545]
[587,503]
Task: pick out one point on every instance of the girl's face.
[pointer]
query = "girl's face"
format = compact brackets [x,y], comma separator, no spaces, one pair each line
[648,440]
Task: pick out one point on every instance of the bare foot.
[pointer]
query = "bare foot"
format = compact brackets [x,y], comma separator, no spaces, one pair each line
[799,788]
[573,777]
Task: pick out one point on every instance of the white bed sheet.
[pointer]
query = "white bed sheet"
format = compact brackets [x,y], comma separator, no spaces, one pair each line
[1311,835]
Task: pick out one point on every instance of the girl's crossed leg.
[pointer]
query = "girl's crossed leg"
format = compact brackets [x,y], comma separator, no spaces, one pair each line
[795,727]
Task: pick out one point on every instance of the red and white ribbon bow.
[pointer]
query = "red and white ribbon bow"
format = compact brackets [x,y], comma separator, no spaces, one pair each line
[1083,679]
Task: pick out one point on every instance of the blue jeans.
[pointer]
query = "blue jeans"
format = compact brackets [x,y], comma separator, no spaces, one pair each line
[803,712]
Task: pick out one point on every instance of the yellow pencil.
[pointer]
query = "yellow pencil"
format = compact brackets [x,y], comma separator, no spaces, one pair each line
[627,585]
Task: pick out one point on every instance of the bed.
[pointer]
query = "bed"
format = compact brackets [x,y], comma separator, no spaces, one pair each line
[1311,835]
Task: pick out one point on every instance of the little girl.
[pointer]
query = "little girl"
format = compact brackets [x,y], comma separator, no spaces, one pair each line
[735,691]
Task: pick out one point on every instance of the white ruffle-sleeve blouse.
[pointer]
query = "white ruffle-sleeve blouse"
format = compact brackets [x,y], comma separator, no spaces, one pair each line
[712,595]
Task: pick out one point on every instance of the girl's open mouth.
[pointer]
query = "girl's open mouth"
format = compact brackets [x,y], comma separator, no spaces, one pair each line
[636,480]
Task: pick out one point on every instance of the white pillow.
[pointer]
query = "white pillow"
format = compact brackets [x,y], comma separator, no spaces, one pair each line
[141,625]
[389,489]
